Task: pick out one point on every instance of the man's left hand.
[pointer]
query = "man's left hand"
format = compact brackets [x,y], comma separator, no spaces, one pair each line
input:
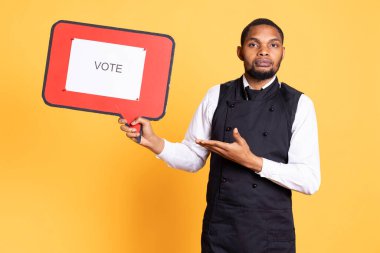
[237,151]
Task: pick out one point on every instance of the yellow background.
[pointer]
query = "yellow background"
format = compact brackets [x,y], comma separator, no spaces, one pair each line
[70,181]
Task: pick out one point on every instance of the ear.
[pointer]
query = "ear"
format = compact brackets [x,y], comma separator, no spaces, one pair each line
[239,52]
[283,52]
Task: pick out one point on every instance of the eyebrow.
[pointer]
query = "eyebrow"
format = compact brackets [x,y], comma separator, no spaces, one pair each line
[256,39]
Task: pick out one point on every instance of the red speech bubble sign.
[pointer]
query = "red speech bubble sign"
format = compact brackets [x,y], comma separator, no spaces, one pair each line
[108,70]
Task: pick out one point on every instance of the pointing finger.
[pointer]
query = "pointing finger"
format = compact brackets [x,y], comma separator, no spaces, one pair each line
[140,120]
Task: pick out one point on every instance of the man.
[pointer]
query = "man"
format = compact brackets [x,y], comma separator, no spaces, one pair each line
[264,143]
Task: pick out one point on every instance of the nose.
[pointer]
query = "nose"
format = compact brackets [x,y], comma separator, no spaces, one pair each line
[263,51]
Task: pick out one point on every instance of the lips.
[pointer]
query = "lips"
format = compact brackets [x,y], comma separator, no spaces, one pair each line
[263,62]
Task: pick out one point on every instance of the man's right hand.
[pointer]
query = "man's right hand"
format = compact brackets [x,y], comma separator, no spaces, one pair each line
[148,139]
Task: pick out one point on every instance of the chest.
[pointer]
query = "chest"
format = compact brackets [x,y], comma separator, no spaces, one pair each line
[264,124]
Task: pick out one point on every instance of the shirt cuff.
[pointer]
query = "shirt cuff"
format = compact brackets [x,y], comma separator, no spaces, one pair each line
[268,168]
[166,151]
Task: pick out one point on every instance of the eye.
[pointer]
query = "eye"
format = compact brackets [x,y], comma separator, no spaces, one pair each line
[274,45]
[252,44]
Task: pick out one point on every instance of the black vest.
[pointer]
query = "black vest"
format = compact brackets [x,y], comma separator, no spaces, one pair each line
[246,213]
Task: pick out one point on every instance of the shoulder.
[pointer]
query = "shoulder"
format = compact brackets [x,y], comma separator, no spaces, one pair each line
[213,92]
[305,114]
[300,100]
[210,100]
[229,85]
[289,92]
[305,104]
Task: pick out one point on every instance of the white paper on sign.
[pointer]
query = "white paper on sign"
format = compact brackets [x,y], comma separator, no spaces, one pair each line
[105,69]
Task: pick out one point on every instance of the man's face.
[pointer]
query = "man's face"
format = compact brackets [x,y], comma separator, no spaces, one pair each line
[262,52]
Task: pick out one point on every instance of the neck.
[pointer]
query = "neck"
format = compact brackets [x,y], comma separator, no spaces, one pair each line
[255,83]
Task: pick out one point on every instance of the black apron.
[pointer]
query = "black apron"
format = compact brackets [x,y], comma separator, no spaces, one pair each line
[246,213]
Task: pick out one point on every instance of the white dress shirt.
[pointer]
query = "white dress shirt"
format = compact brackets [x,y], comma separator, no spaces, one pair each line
[301,173]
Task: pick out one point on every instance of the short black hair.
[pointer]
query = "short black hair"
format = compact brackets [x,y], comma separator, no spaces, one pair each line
[260,21]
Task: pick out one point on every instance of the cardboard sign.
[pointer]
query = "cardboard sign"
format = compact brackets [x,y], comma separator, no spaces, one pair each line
[108,70]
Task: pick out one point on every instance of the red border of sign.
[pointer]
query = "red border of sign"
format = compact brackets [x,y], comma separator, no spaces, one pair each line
[156,76]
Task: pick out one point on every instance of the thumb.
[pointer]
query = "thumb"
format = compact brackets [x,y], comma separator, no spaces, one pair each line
[238,137]
[142,121]
[146,127]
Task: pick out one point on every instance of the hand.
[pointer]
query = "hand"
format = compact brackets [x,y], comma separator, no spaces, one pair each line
[149,139]
[237,151]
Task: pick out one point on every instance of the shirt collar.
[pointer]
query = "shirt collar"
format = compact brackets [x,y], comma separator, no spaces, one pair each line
[245,82]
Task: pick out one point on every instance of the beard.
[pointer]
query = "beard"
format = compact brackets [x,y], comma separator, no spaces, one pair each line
[262,75]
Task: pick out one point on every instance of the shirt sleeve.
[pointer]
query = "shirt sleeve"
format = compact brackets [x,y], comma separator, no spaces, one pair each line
[302,172]
[187,155]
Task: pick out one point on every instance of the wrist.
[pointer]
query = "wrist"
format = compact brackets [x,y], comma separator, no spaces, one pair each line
[156,145]
[255,163]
